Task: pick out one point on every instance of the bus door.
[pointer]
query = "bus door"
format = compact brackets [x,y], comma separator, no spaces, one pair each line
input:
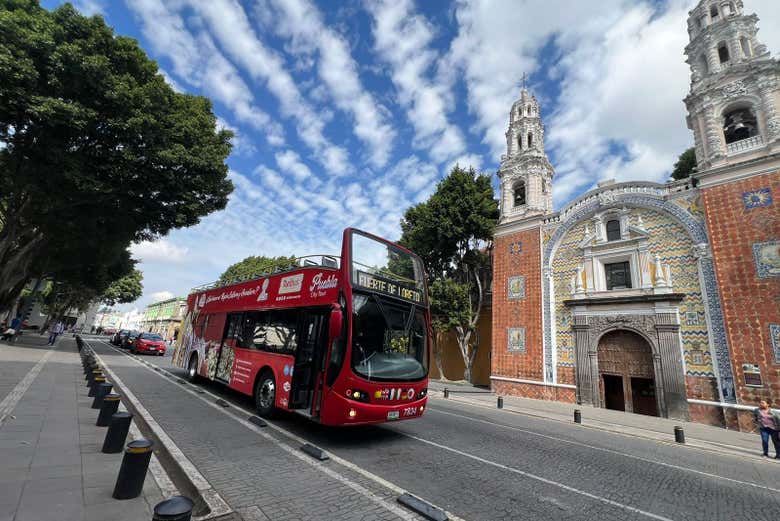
[312,344]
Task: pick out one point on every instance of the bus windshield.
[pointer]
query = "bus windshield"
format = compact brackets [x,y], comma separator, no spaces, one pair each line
[389,339]
[381,267]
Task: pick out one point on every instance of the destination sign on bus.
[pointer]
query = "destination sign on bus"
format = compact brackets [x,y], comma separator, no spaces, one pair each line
[388,287]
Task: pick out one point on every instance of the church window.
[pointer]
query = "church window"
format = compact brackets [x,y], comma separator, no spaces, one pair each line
[732,10]
[713,12]
[723,53]
[613,230]
[530,140]
[739,124]
[544,186]
[519,193]
[745,44]
[520,142]
[618,275]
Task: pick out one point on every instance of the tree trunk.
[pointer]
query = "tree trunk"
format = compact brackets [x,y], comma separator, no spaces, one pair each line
[438,355]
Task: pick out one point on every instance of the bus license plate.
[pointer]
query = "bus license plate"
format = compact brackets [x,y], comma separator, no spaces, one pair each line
[392,415]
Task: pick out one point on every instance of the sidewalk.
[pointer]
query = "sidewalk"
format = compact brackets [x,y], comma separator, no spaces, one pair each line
[52,467]
[658,429]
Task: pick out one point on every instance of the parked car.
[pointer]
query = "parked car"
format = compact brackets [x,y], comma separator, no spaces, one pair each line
[128,339]
[117,338]
[151,343]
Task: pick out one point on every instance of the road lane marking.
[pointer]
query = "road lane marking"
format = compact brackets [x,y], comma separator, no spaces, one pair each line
[400,512]
[12,399]
[546,481]
[611,451]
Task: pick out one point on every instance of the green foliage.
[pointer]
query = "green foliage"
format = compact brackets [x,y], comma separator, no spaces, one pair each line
[98,151]
[449,302]
[453,232]
[124,290]
[685,164]
[254,266]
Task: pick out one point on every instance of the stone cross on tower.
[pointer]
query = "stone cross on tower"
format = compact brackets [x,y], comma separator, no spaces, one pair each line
[525,172]
[734,103]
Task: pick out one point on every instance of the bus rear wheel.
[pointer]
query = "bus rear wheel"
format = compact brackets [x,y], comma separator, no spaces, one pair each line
[265,394]
[192,369]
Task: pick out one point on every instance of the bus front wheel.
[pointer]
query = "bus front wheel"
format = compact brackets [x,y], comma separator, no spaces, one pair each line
[265,394]
[192,369]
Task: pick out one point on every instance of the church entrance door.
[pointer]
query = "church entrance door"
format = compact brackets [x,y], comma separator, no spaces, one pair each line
[627,378]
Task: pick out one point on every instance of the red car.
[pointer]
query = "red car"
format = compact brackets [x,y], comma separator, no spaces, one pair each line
[151,343]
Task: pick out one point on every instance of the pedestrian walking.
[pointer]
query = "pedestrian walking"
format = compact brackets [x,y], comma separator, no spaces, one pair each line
[768,423]
[16,327]
[55,331]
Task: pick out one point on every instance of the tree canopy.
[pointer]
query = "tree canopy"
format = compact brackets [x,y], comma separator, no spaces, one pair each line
[453,232]
[96,149]
[685,164]
[124,290]
[254,266]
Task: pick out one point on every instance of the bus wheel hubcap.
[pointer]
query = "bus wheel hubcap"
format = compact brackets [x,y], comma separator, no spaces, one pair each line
[267,392]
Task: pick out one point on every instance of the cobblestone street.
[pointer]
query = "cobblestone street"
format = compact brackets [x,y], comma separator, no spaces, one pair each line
[473,462]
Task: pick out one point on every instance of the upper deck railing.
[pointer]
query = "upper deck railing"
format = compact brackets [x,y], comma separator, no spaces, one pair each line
[274,268]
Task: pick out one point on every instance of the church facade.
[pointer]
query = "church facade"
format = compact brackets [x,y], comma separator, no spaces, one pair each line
[660,299]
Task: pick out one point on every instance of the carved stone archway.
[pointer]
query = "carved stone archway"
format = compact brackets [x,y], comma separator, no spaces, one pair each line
[660,330]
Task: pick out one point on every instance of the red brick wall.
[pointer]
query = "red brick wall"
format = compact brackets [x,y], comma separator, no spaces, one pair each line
[701,388]
[526,312]
[538,392]
[749,303]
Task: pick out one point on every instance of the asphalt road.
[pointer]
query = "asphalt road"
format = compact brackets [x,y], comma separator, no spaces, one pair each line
[485,464]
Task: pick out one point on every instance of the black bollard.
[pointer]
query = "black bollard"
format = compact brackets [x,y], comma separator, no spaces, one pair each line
[100,392]
[679,434]
[91,376]
[177,508]
[107,409]
[132,473]
[577,416]
[500,402]
[117,432]
[95,383]
[446,393]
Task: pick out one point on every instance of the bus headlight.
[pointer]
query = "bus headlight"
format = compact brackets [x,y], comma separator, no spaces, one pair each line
[352,413]
[358,395]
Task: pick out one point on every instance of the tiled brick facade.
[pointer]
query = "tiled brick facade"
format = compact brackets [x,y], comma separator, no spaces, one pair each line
[518,254]
[741,214]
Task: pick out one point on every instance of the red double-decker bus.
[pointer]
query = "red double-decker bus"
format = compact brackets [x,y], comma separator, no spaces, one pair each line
[343,341]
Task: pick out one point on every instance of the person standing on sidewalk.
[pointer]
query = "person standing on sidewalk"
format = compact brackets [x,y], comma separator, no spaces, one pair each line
[768,423]
[55,331]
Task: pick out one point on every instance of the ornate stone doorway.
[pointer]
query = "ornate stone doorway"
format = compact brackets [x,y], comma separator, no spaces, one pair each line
[626,375]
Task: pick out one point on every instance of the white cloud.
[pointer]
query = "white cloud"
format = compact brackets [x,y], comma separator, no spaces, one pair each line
[196,60]
[159,251]
[90,7]
[159,296]
[301,21]
[230,25]
[403,39]
[290,162]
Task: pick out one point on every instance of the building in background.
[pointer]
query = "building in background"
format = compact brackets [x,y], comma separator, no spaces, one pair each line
[660,299]
[164,317]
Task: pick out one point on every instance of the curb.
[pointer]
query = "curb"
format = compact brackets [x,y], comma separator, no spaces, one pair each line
[208,503]
[693,443]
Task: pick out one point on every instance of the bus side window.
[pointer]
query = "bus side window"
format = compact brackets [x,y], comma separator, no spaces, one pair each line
[281,333]
[232,334]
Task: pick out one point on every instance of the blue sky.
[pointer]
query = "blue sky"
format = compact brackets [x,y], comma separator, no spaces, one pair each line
[348,112]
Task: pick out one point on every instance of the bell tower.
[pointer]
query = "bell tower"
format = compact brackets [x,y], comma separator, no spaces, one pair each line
[525,172]
[734,101]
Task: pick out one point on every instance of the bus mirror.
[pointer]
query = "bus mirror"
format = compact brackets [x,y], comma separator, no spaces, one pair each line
[336,318]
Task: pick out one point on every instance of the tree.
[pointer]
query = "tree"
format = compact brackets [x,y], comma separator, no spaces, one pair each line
[96,149]
[685,164]
[253,266]
[124,290]
[453,232]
